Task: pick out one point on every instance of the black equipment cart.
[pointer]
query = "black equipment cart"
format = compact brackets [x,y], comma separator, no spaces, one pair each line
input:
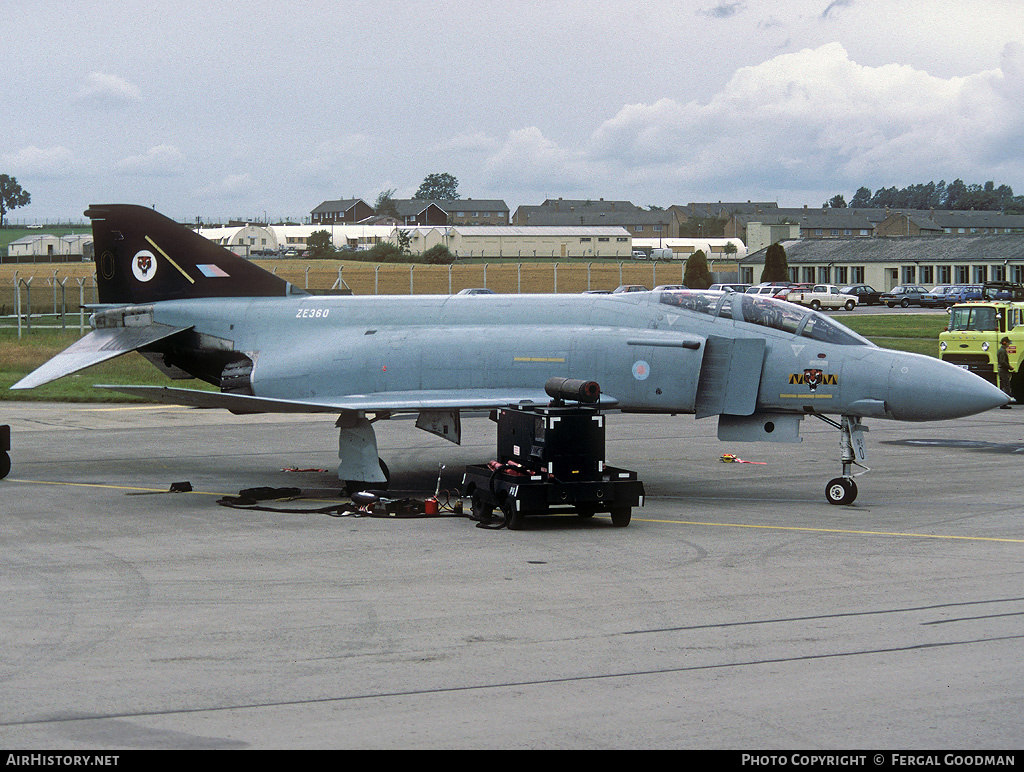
[550,459]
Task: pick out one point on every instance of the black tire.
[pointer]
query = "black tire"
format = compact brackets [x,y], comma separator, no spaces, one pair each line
[815,305]
[850,305]
[904,303]
[841,491]
[479,510]
[621,516]
[513,518]
[5,464]
[1017,386]
[890,304]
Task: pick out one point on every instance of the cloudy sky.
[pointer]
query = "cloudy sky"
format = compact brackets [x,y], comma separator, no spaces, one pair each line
[260,106]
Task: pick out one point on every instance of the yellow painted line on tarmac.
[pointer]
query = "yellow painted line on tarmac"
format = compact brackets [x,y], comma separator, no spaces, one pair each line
[113,487]
[832,530]
[131,407]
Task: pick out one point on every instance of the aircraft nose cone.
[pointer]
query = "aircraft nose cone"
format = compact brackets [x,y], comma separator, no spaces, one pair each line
[923,388]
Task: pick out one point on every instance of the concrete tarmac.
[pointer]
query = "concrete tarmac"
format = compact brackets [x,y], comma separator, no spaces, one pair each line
[738,610]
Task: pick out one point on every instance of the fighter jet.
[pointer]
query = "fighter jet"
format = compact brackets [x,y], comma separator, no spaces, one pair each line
[197,310]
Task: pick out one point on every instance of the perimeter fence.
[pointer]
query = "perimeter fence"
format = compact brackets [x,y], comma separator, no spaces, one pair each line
[33,301]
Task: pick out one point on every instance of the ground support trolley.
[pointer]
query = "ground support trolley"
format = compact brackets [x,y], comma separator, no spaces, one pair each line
[517,495]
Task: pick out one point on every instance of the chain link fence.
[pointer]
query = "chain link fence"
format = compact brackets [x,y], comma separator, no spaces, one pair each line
[29,301]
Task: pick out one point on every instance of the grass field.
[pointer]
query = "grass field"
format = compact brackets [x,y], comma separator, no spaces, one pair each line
[906,332]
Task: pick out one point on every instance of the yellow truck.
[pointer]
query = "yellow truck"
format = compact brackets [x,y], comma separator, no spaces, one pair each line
[971,340]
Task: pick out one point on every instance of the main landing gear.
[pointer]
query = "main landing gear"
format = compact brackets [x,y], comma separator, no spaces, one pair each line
[843,490]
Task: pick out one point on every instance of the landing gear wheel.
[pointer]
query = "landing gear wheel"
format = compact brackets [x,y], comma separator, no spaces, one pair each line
[841,491]
[5,464]
[621,516]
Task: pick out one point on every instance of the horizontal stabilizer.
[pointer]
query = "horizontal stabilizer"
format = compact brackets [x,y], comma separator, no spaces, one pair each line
[391,401]
[98,346]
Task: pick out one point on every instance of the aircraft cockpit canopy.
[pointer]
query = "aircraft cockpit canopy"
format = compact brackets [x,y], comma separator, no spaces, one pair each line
[764,311]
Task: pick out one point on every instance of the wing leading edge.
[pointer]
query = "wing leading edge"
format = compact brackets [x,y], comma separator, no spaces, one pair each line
[98,346]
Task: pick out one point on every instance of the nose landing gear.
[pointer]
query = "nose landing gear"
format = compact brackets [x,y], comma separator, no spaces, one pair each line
[843,490]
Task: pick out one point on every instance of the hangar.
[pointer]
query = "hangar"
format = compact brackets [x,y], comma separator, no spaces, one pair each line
[888,261]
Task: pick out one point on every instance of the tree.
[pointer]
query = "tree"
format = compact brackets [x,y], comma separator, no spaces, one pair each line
[696,274]
[386,204]
[438,187]
[438,254]
[320,245]
[404,239]
[775,266]
[383,252]
[861,198]
[837,202]
[11,196]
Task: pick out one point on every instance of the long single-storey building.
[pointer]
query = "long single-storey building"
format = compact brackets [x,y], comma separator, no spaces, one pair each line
[888,261]
[512,241]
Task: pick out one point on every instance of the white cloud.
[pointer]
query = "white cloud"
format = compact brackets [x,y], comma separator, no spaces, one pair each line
[159,161]
[45,163]
[797,121]
[468,142]
[104,91]
[527,159]
[335,159]
[230,187]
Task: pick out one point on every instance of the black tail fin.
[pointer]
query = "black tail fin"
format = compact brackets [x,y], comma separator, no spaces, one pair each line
[143,257]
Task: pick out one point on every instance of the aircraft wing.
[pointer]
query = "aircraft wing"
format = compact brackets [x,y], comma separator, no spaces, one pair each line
[389,401]
[98,346]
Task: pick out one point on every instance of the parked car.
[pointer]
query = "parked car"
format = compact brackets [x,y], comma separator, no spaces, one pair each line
[936,297]
[866,294]
[729,287]
[597,292]
[1002,290]
[476,291]
[822,296]
[777,291]
[670,287]
[905,295]
[629,288]
[961,293]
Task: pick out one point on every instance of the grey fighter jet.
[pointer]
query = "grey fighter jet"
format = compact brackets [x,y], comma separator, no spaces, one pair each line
[196,310]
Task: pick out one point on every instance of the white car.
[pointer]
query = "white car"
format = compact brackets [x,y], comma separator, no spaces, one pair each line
[822,296]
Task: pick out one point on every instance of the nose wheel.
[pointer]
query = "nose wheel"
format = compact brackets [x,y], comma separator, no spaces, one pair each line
[841,490]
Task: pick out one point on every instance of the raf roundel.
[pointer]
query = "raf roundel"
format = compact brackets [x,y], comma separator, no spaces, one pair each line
[144,265]
[641,370]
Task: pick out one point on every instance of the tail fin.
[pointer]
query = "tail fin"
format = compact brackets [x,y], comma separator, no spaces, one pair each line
[143,257]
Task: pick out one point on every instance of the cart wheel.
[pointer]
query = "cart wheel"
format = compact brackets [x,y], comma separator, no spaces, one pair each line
[620,516]
[513,518]
[480,511]
[586,510]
